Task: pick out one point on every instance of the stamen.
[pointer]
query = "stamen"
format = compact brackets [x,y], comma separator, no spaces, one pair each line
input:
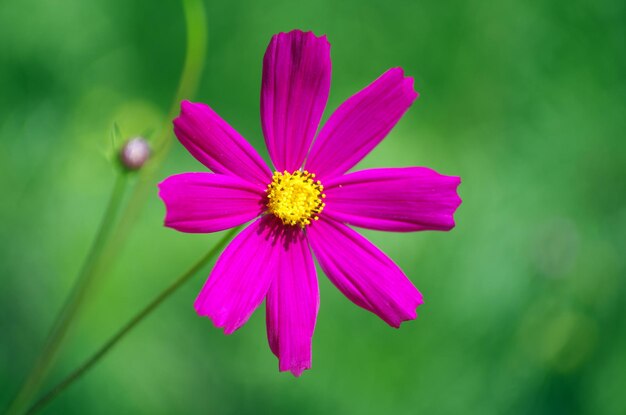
[295,198]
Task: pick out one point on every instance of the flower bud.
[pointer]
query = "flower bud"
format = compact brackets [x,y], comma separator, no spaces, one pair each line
[135,153]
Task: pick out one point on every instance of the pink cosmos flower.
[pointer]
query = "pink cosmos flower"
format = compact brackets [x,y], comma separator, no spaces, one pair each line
[307,203]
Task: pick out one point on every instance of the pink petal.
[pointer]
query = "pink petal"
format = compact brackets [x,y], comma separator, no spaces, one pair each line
[400,199]
[207,202]
[363,273]
[292,303]
[241,277]
[296,82]
[217,145]
[360,123]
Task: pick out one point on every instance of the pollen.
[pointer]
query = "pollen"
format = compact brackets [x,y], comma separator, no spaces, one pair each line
[295,198]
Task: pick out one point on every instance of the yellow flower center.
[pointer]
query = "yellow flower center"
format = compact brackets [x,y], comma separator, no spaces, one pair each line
[295,198]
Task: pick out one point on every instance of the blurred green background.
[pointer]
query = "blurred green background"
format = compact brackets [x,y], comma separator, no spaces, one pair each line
[524,312]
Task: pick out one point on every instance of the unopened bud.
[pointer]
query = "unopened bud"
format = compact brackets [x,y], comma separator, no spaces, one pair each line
[135,153]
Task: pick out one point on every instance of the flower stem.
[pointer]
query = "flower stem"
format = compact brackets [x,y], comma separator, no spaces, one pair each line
[110,236]
[73,303]
[195,17]
[132,323]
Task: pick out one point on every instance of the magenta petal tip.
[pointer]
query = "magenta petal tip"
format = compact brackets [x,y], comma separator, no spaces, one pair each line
[298,372]
[301,33]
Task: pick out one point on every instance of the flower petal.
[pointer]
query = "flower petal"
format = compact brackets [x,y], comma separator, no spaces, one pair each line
[294,91]
[400,199]
[360,123]
[241,277]
[363,273]
[217,145]
[292,303]
[207,202]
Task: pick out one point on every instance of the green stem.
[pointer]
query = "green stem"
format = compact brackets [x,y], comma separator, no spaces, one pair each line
[110,237]
[73,303]
[195,17]
[132,323]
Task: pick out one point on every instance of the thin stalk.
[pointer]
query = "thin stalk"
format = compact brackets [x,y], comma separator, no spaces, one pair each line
[73,303]
[132,323]
[110,237]
[195,17]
